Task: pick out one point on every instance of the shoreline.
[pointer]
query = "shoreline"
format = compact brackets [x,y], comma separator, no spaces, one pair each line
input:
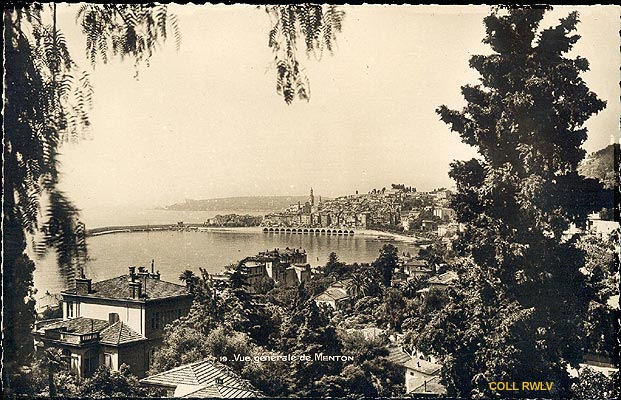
[396,236]
[377,234]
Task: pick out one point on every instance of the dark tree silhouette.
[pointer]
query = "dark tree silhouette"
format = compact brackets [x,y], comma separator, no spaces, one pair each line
[517,313]
[386,263]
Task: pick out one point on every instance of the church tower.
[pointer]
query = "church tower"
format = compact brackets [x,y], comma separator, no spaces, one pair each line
[311,198]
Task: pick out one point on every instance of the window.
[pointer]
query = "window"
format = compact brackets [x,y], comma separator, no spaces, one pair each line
[75,363]
[151,357]
[66,358]
[91,359]
[156,320]
[159,319]
[70,309]
[108,360]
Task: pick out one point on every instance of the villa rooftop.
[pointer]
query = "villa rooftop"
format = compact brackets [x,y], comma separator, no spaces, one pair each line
[78,325]
[116,334]
[423,366]
[203,379]
[333,294]
[116,288]
[443,279]
[119,333]
[431,386]
[398,356]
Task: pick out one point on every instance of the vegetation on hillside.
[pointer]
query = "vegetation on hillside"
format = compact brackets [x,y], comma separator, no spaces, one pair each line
[603,165]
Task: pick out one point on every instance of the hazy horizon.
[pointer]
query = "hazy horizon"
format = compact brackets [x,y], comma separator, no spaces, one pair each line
[205,122]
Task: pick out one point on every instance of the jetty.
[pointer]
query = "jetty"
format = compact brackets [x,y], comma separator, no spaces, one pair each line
[106,230]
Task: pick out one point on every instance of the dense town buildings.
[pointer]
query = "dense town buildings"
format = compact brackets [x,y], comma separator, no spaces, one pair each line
[285,267]
[398,208]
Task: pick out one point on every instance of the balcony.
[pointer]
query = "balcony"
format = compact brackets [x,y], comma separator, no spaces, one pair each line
[72,337]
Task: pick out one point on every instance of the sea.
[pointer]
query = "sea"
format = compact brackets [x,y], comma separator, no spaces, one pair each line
[172,252]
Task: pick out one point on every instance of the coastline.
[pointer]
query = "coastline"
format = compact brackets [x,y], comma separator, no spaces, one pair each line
[395,236]
[377,234]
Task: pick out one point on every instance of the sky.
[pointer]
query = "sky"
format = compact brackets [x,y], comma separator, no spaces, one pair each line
[206,121]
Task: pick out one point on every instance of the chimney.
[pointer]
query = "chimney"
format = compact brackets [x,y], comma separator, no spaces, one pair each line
[143,275]
[135,290]
[152,267]
[82,286]
[135,287]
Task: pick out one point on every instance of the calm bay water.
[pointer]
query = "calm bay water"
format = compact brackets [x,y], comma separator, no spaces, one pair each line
[131,216]
[175,252]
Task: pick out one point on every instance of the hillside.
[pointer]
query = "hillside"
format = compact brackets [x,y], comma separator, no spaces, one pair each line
[601,165]
[248,203]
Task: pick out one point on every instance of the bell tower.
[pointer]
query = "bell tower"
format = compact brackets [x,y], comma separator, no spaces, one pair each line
[311,198]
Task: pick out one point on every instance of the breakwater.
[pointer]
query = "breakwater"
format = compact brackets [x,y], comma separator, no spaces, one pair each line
[153,228]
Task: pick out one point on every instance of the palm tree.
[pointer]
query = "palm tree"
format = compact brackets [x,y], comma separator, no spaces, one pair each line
[190,279]
[358,285]
[410,287]
[54,360]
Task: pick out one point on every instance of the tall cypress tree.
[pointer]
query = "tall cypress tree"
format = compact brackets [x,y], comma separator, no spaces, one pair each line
[516,314]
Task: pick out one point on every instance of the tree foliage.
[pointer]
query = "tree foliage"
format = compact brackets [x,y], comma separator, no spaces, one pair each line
[47,101]
[124,30]
[517,312]
[603,165]
[386,263]
[595,385]
[315,25]
[105,384]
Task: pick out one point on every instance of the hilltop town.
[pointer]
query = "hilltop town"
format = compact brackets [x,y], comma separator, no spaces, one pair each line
[397,209]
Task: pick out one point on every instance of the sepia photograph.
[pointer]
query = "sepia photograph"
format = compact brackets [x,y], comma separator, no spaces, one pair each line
[310,201]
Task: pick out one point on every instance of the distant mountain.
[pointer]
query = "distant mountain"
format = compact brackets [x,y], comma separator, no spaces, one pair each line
[248,203]
[601,165]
